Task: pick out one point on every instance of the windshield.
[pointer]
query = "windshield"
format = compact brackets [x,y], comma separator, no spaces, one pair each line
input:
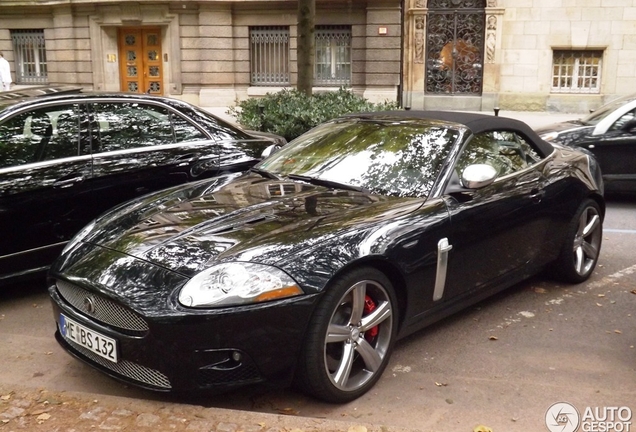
[390,157]
[598,115]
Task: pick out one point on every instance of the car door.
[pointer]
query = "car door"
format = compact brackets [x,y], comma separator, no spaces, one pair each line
[498,231]
[44,183]
[615,151]
[142,147]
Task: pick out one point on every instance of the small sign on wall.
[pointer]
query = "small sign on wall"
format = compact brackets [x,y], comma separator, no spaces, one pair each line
[111,58]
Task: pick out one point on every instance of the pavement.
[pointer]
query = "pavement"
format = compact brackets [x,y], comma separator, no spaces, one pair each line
[29,409]
[37,409]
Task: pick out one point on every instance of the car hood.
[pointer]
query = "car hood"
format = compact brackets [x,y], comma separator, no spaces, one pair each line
[236,218]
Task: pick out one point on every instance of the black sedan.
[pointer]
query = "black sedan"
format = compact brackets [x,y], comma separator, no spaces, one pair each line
[610,134]
[66,156]
[310,266]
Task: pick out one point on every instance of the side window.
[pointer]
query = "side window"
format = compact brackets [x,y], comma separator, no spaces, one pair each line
[64,140]
[122,126]
[186,131]
[39,135]
[624,119]
[507,151]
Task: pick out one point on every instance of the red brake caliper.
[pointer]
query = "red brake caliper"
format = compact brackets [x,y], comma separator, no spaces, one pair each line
[369,306]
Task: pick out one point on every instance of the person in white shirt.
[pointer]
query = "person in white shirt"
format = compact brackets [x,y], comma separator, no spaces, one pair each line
[5,73]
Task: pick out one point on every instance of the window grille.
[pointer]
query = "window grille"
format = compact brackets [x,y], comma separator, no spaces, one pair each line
[576,71]
[269,55]
[30,57]
[333,56]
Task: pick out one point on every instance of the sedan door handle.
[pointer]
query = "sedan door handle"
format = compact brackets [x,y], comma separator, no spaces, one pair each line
[187,159]
[537,195]
[63,184]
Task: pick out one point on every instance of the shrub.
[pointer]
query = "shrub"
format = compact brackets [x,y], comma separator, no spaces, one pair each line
[291,113]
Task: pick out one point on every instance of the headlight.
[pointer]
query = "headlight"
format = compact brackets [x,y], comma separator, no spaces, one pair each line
[78,237]
[550,136]
[236,284]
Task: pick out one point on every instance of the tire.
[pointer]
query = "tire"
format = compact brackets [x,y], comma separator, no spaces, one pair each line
[350,337]
[582,245]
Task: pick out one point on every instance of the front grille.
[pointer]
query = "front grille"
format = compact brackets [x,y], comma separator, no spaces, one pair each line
[102,310]
[127,368]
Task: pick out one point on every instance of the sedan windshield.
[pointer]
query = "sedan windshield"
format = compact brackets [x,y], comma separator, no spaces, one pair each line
[390,157]
[596,116]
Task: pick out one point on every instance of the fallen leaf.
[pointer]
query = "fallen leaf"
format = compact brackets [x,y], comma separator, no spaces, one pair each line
[600,295]
[5,397]
[493,338]
[598,304]
[439,384]
[540,290]
[618,332]
[262,424]
[287,411]
[633,291]
[481,428]
[44,416]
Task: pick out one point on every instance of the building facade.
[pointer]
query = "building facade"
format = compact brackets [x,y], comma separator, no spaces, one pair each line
[560,55]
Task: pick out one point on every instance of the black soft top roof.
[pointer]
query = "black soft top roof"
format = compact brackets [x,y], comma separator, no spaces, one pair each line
[476,122]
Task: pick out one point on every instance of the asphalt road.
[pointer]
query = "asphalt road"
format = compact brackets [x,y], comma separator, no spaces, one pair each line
[501,363]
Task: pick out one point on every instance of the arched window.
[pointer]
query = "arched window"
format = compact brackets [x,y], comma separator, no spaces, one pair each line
[455,46]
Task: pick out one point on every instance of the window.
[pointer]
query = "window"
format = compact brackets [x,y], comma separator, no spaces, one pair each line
[125,126]
[269,55]
[39,135]
[30,57]
[576,71]
[506,151]
[333,55]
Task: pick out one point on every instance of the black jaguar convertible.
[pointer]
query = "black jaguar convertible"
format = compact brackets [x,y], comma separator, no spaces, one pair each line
[307,268]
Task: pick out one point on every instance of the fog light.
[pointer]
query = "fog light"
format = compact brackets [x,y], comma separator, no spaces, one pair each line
[236,356]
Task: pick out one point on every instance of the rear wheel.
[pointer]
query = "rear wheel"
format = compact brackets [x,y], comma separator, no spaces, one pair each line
[582,246]
[350,337]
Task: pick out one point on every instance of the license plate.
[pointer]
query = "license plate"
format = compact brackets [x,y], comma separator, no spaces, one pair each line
[101,345]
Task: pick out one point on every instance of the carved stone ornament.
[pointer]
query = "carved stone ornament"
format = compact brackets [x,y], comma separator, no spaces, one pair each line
[491,38]
[419,4]
[419,40]
[492,3]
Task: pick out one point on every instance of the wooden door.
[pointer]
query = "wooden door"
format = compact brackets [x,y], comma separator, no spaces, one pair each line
[140,55]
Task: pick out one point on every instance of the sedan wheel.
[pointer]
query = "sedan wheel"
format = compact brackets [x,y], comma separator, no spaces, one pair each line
[350,337]
[583,244]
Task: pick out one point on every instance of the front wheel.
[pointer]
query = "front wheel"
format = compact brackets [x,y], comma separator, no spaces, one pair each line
[582,246]
[350,337]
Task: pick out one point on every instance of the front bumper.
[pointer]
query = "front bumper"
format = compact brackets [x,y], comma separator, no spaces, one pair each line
[190,351]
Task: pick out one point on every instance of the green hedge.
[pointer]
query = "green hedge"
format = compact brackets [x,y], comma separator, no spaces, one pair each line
[291,113]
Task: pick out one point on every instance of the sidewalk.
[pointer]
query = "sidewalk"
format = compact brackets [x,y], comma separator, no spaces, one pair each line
[40,410]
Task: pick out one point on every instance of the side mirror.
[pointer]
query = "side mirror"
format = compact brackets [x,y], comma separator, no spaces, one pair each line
[270,150]
[478,176]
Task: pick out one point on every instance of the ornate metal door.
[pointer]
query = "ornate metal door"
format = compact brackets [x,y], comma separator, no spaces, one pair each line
[455,46]
[140,60]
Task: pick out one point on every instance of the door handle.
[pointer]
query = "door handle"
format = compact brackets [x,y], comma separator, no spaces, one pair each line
[187,159]
[63,184]
[536,195]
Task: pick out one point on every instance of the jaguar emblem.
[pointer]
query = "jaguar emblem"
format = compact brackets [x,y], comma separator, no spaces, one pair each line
[89,305]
